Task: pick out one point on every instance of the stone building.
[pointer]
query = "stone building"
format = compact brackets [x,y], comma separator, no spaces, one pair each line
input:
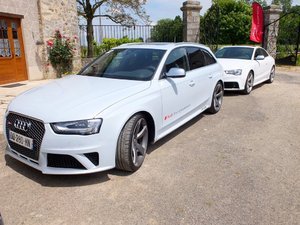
[25,26]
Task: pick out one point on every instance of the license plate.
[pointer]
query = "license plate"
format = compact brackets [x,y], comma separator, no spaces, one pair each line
[21,140]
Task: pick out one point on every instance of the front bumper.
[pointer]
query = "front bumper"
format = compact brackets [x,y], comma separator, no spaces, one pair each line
[232,82]
[66,154]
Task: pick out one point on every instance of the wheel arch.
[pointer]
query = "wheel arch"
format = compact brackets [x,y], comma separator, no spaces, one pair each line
[151,125]
[221,81]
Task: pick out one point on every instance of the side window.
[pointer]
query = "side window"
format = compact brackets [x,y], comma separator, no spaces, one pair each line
[264,53]
[209,59]
[177,59]
[257,53]
[196,57]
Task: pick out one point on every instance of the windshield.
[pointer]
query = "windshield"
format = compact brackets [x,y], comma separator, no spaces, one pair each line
[235,53]
[130,64]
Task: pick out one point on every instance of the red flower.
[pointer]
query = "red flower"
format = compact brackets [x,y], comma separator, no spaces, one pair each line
[50,43]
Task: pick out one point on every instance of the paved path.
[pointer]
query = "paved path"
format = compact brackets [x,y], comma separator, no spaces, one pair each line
[238,167]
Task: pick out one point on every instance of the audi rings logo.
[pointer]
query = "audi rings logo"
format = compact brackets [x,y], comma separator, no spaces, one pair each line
[22,125]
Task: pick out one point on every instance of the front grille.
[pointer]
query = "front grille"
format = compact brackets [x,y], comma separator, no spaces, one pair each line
[63,161]
[36,132]
[231,84]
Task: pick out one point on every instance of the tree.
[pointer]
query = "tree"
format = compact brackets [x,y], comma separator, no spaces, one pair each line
[285,4]
[119,11]
[263,3]
[226,22]
[168,30]
[289,27]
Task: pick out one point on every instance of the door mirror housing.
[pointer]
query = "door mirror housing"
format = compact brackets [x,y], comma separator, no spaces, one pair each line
[260,57]
[176,73]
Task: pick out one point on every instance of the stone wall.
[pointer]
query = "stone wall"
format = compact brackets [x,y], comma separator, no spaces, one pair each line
[191,21]
[59,15]
[271,14]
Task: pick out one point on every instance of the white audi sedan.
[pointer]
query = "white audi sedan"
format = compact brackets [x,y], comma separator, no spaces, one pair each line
[245,67]
[105,116]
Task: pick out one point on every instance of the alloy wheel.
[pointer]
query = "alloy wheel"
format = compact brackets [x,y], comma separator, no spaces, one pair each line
[139,142]
[218,97]
[249,82]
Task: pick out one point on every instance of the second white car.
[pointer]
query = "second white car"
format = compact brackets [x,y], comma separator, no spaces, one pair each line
[245,67]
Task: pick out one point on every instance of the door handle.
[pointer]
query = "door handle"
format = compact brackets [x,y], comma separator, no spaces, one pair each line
[192,83]
[210,76]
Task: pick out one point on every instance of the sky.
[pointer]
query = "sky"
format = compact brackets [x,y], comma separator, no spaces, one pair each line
[162,9]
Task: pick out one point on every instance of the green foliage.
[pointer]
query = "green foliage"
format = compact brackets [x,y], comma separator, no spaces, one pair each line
[107,44]
[168,30]
[288,27]
[227,21]
[60,50]
[285,4]
[287,41]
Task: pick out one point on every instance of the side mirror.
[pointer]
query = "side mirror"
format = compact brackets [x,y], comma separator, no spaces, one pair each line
[176,73]
[260,57]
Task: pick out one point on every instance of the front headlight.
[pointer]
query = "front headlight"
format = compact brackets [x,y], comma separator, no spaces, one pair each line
[234,72]
[80,127]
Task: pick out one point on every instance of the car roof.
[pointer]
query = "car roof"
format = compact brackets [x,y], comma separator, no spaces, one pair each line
[160,45]
[240,46]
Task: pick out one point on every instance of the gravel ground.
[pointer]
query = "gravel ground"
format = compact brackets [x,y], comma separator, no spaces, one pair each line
[240,166]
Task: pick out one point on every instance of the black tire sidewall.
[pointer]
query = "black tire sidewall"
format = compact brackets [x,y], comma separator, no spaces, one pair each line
[124,146]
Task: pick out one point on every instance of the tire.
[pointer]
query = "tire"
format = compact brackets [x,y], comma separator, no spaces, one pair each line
[272,75]
[132,144]
[217,99]
[249,83]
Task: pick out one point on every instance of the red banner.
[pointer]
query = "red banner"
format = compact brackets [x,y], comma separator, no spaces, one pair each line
[257,28]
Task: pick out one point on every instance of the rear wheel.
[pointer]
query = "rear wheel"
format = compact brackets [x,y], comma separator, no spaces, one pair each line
[249,83]
[272,75]
[217,99]
[132,144]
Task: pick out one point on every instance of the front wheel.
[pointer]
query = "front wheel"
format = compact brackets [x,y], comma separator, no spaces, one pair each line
[217,99]
[249,83]
[132,144]
[272,75]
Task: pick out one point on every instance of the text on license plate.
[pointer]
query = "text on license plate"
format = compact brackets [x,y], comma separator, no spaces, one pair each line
[21,140]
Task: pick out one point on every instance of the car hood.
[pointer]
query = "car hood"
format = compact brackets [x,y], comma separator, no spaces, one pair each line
[74,97]
[229,64]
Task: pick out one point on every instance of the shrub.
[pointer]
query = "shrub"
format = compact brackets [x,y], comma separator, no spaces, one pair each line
[60,53]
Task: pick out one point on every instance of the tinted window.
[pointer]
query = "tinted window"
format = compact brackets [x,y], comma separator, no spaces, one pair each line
[235,53]
[177,59]
[131,64]
[209,59]
[196,58]
[264,53]
[257,53]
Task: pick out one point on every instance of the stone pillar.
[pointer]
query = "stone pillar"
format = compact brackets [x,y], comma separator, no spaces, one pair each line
[62,16]
[191,21]
[271,14]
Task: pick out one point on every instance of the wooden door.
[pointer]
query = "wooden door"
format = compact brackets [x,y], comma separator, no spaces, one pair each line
[12,57]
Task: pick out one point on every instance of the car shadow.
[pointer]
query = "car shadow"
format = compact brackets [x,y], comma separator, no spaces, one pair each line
[176,132]
[56,180]
[86,179]
[239,93]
